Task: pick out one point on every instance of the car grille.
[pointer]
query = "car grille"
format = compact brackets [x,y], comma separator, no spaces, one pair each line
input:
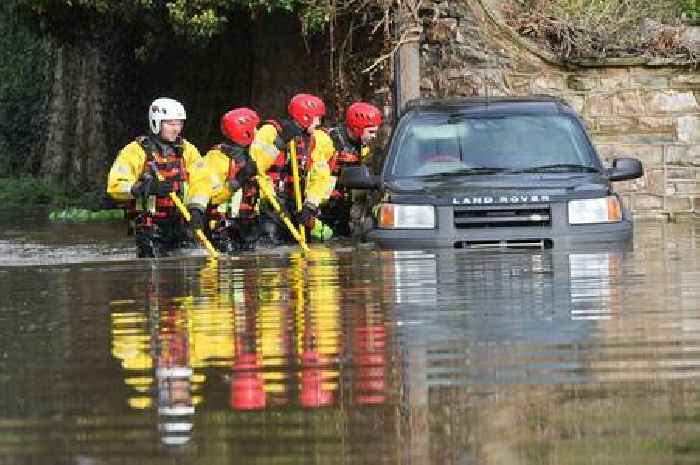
[502,216]
[509,243]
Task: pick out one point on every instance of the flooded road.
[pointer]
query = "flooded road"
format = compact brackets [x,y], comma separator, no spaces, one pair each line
[347,355]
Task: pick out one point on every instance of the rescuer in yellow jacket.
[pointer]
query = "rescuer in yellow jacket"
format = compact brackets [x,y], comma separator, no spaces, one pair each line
[351,141]
[230,185]
[134,178]
[271,151]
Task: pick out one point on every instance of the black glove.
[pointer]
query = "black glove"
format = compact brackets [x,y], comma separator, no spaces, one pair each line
[198,217]
[307,215]
[246,170]
[290,130]
[151,186]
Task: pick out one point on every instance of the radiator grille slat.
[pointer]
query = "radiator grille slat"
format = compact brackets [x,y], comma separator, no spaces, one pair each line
[502,216]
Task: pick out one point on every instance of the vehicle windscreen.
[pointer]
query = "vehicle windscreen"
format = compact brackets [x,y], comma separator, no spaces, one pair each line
[461,144]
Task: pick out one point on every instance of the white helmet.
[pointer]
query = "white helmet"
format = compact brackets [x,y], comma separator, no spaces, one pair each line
[164,108]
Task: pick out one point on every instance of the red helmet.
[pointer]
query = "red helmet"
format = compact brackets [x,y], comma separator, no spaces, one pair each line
[304,107]
[239,125]
[361,115]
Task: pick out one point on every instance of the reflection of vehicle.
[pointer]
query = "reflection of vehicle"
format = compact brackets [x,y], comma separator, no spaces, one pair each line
[515,317]
[516,172]
[482,336]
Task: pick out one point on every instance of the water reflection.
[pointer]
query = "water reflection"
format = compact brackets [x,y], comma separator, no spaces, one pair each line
[268,330]
[357,356]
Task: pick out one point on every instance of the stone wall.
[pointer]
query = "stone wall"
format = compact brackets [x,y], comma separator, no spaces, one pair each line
[639,107]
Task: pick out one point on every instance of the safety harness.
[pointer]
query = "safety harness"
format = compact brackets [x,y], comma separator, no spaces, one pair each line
[171,166]
[238,157]
[347,153]
[280,172]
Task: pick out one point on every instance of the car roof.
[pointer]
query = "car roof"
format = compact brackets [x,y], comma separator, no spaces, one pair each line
[487,105]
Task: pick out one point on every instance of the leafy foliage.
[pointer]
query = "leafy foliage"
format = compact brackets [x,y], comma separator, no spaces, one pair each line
[25,59]
[198,20]
[691,9]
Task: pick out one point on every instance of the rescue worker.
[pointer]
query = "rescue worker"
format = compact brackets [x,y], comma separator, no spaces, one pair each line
[232,191]
[134,179]
[351,141]
[271,151]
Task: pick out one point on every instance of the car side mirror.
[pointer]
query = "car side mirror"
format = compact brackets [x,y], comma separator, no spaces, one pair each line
[624,169]
[358,177]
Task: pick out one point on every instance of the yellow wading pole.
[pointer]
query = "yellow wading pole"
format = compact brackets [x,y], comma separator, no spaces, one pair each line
[297,186]
[186,215]
[270,197]
[298,270]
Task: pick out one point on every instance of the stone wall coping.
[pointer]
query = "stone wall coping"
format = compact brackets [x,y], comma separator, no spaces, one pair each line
[592,62]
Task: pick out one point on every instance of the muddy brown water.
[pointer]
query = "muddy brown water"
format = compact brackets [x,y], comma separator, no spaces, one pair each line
[347,355]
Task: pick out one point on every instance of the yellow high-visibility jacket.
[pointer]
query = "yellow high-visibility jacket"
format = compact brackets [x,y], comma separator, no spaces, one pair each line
[319,183]
[218,163]
[129,165]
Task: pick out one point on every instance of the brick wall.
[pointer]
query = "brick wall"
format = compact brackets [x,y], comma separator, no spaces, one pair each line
[640,107]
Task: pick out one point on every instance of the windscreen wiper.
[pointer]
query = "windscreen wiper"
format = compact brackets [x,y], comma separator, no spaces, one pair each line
[459,117]
[559,167]
[469,171]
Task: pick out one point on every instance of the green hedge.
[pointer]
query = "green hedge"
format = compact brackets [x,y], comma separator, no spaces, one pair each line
[27,191]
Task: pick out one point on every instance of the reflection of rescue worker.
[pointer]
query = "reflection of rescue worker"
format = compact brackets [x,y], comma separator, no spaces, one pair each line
[318,320]
[247,383]
[134,177]
[351,141]
[271,149]
[166,348]
[269,299]
[233,191]
[174,380]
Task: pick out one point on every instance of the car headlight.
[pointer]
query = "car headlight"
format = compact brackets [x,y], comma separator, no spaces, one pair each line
[601,210]
[392,216]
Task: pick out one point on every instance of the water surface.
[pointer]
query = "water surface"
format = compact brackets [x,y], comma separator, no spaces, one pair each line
[347,355]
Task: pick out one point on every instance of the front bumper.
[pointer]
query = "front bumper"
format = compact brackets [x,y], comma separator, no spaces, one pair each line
[558,235]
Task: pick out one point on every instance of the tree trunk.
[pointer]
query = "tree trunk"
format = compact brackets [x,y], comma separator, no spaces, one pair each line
[76,151]
[409,66]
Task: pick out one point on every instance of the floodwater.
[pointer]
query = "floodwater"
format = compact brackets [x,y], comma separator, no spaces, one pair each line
[347,355]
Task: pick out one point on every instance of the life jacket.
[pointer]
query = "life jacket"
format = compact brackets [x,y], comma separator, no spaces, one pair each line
[249,197]
[171,166]
[281,170]
[347,152]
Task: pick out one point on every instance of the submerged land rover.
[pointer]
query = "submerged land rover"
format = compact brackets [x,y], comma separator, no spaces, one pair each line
[497,172]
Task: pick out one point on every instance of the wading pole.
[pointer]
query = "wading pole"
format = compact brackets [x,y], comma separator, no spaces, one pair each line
[186,215]
[270,197]
[297,185]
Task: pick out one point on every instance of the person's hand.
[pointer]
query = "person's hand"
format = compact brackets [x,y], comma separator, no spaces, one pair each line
[161,188]
[307,215]
[246,170]
[142,186]
[290,130]
[197,218]
[147,185]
